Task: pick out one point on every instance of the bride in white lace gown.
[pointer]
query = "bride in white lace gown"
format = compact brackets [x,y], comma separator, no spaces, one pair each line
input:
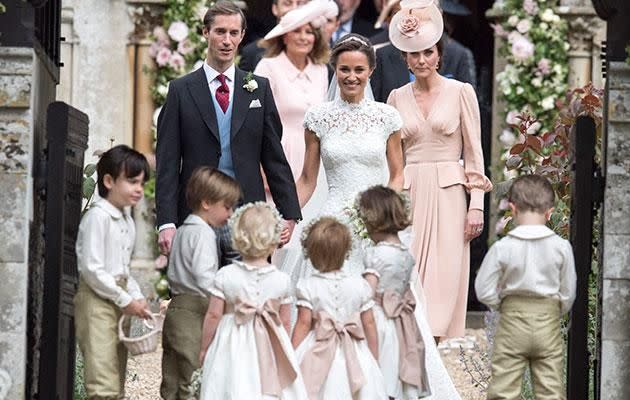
[358,142]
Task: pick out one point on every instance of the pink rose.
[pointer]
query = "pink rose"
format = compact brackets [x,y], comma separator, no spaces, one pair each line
[177,61]
[154,49]
[163,56]
[161,36]
[409,25]
[185,47]
[530,7]
[499,31]
[544,66]
[522,48]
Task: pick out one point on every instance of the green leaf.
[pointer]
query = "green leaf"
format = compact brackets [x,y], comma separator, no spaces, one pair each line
[89,170]
[89,185]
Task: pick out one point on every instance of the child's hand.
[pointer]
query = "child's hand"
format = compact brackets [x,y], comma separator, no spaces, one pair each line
[137,308]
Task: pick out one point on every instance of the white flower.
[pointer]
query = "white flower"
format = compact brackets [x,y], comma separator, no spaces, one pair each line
[201,10]
[513,20]
[522,48]
[557,69]
[548,103]
[251,85]
[177,61]
[507,138]
[567,46]
[544,26]
[163,56]
[507,91]
[548,15]
[162,90]
[178,31]
[511,118]
[523,26]
[533,128]
[520,90]
[537,82]
[530,7]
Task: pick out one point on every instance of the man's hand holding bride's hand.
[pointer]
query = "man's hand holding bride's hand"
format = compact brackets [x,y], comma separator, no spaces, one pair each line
[285,236]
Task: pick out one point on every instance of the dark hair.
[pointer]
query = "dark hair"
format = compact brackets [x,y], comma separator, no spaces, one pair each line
[353,42]
[327,244]
[383,210]
[223,7]
[211,185]
[440,45]
[318,55]
[532,193]
[119,162]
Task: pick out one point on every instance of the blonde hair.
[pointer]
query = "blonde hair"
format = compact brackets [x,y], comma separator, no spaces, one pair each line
[320,54]
[327,242]
[211,185]
[383,210]
[532,193]
[256,229]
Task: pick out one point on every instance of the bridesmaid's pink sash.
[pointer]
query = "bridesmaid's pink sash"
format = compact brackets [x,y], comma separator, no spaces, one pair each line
[410,343]
[317,362]
[276,371]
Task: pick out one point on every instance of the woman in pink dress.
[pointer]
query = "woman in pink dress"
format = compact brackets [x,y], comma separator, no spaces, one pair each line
[295,64]
[441,138]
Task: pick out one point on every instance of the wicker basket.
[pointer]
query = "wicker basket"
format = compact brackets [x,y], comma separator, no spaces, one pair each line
[146,343]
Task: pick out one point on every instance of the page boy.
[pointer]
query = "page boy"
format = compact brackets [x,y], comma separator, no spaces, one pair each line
[106,289]
[211,195]
[530,276]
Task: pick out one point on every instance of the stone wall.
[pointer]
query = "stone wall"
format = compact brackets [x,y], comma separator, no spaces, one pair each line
[615,345]
[26,89]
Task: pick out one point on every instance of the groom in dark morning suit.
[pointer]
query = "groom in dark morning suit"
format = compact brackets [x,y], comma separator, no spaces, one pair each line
[216,116]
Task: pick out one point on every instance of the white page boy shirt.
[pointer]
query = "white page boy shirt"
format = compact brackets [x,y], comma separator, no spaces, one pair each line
[194,258]
[104,246]
[530,261]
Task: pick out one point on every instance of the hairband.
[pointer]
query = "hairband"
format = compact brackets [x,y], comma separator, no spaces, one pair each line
[363,42]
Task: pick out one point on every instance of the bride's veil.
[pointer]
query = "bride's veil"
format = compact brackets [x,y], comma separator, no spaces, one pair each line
[333,90]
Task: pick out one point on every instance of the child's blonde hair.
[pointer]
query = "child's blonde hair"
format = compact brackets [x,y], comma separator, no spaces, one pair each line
[256,229]
[532,193]
[383,210]
[211,185]
[327,242]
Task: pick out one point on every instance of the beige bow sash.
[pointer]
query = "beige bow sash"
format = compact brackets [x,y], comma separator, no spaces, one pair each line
[318,360]
[411,361]
[275,368]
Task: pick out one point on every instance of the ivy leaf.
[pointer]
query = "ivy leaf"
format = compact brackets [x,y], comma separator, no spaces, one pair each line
[89,185]
[518,148]
[89,170]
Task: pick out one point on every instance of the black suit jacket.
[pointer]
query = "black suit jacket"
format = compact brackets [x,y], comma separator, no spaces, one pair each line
[188,137]
[391,69]
[363,27]
[251,54]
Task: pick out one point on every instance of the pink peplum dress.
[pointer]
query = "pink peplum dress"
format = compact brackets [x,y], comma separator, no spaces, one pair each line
[438,180]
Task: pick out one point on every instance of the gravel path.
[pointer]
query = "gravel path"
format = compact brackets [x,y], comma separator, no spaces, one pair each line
[144,371]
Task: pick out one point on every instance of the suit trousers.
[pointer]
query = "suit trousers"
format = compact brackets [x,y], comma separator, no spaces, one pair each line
[528,335]
[181,341]
[227,254]
[104,356]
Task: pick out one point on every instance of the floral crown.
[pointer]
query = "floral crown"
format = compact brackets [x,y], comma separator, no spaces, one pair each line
[278,222]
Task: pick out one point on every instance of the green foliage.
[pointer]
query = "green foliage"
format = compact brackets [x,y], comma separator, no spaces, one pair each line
[89,185]
[79,384]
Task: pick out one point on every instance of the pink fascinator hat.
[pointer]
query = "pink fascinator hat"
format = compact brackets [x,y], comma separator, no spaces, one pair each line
[417,26]
[315,12]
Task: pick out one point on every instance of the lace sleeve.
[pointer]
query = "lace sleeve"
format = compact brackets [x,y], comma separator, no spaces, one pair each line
[391,119]
[313,121]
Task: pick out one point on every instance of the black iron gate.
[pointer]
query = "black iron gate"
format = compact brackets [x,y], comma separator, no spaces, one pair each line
[67,130]
[586,196]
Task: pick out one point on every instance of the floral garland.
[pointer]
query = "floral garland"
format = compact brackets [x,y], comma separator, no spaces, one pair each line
[535,76]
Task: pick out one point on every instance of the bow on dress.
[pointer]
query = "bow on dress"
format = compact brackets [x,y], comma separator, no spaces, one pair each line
[411,361]
[278,372]
[328,335]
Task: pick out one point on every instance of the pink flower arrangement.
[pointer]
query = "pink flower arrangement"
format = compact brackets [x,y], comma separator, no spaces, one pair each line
[544,66]
[163,56]
[522,48]
[178,31]
[409,25]
[177,61]
[523,26]
[530,7]
[161,36]
[499,31]
[185,47]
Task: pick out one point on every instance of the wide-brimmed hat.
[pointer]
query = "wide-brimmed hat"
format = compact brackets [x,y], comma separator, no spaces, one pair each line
[315,12]
[454,7]
[417,26]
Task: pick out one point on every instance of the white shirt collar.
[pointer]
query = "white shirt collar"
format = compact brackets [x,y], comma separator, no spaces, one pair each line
[211,73]
[108,207]
[193,219]
[531,232]
[334,275]
[260,270]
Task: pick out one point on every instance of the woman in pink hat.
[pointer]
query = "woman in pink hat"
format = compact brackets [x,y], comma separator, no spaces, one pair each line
[444,161]
[295,64]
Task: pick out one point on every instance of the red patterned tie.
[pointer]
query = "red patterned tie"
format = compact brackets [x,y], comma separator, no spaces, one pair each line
[223,93]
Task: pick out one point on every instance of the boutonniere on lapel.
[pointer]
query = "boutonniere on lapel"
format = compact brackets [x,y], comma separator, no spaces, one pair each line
[250,83]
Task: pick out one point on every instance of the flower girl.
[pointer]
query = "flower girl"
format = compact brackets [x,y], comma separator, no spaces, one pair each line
[246,352]
[388,268]
[335,333]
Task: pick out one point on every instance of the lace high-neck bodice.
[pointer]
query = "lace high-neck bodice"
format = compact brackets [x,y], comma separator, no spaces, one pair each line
[353,141]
